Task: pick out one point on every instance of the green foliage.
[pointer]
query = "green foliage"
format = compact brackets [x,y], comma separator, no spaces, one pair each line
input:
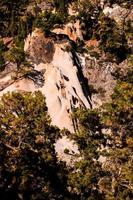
[127,76]
[84,177]
[22,33]
[89,136]
[29,168]
[120,165]
[47,20]
[119,112]
[28,165]
[128,30]
[118,116]
[86,17]
[2,63]
[14,22]
[83,180]
[10,14]
[15,55]
[112,40]
[112,180]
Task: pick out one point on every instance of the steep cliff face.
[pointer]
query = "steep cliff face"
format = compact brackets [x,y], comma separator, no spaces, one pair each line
[64,86]
[100,79]
[64,76]
[67,79]
[78,54]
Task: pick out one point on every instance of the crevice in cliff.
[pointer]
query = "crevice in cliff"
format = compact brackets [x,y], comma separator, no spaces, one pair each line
[83,81]
[58,38]
[36,76]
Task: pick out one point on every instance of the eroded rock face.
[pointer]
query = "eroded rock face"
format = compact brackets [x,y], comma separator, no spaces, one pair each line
[118,13]
[59,74]
[101,80]
[63,86]
[40,49]
[63,76]
[72,30]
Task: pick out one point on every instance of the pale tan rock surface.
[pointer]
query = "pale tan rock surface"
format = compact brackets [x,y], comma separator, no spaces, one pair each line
[62,87]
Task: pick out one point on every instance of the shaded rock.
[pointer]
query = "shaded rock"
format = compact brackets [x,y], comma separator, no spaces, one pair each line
[39,48]
[100,80]
[72,30]
[36,76]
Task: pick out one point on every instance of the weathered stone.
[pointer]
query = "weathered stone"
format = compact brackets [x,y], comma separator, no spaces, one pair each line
[39,48]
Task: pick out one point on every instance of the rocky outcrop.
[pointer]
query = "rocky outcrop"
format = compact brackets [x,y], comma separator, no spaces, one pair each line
[67,79]
[73,155]
[62,81]
[72,30]
[118,13]
[41,49]
[100,79]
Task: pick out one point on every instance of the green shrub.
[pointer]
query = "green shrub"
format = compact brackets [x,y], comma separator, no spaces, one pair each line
[15,55]
[112,40]
[47,20]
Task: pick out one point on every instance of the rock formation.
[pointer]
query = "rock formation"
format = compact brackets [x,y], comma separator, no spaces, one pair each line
[63,87]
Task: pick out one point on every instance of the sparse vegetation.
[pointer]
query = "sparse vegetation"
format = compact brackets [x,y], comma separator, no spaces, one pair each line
[47,20]
[15,55]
